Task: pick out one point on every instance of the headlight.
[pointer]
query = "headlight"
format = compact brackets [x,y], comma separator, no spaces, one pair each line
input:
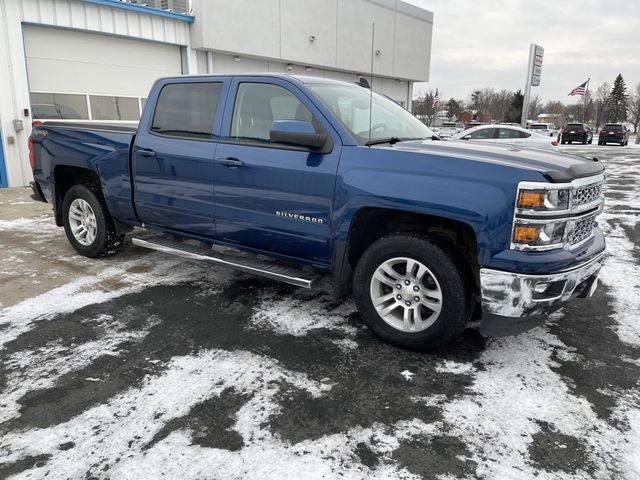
[544,200]
[538,236]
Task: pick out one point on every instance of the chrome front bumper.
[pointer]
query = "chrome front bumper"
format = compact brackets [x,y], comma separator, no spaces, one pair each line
[513,302]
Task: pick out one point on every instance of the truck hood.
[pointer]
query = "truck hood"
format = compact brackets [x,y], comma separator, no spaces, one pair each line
[556,167]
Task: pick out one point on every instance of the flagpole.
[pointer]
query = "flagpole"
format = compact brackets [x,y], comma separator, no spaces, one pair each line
[584,110]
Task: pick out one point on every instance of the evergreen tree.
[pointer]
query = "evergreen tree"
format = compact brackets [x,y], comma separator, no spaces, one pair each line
[454,109]
[618,101]
[515,108]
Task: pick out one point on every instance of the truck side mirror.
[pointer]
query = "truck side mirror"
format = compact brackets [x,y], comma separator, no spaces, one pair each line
[298,134]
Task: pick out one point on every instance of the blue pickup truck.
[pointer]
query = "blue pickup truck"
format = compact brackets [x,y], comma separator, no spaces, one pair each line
[295,178]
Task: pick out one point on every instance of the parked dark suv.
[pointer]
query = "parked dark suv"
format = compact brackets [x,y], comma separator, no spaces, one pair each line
[576,132]
[614,133]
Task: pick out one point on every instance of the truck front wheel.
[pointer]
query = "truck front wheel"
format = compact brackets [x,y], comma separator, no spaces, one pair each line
[411,292]
[88,224]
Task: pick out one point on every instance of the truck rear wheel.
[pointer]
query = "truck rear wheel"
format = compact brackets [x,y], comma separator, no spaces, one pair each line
[88,224]
[411,292]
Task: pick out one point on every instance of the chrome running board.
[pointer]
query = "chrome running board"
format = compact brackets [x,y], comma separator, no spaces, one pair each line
[254,266]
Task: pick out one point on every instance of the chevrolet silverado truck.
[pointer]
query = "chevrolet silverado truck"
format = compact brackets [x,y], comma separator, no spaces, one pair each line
[298,178]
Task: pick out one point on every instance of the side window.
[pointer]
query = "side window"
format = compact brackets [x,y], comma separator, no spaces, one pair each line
[482,134]
[509,133]
[187,110]
[258,105]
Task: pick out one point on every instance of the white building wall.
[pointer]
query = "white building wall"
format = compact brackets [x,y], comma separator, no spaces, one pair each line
[328,34]
[69,14]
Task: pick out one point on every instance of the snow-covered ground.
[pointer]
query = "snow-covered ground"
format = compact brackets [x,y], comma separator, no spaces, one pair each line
[144,366]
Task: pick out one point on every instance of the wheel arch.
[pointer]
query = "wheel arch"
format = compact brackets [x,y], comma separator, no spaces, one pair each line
[369,224]
[65,177]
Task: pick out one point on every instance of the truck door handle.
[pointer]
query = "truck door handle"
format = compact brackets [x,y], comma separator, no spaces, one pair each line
[145,152]
[231,162]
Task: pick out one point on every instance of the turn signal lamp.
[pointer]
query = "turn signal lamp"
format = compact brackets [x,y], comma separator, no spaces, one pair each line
[525,234]
[530,199]
[543,200]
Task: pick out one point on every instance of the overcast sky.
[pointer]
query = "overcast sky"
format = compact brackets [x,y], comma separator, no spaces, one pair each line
[486,43]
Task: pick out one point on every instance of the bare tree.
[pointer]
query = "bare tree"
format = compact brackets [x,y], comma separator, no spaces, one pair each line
[557,108]
[602,94]
[500,104]
[424,109]
[482,100]
[634,108]
[535,103]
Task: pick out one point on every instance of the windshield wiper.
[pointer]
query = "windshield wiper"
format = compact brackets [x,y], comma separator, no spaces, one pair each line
[391,141]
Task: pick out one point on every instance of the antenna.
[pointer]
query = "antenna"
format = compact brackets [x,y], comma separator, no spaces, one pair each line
[373,37]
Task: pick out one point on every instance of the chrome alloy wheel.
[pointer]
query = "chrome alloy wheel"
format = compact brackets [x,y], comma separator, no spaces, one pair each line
[406,294]
[82,222]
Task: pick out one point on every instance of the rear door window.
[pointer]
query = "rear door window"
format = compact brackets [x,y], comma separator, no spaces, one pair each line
[187,110]
[482,134]
[511,133]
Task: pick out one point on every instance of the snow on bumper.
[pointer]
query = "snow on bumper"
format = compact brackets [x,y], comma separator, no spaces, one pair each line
[513,302]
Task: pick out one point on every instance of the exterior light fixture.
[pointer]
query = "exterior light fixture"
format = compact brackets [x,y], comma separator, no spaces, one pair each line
[289,67]
[312,38]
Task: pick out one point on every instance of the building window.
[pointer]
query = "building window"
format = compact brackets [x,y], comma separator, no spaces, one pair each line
[114,108]
[59,106]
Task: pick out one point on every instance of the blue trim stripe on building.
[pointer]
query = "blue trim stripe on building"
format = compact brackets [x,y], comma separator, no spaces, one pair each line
[183,17]
[4,182]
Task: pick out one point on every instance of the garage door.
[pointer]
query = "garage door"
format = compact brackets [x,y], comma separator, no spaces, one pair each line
[83,75]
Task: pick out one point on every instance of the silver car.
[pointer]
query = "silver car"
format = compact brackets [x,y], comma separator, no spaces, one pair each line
[508,135]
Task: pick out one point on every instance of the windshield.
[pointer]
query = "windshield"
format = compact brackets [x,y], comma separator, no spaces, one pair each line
[350,104]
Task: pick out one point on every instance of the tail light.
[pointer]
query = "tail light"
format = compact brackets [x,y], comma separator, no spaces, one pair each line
[554,143]
[35,123]
[32,154]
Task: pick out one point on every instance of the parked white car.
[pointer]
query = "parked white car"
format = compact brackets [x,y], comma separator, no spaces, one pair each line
[548,129]
[508,135]
[448,129]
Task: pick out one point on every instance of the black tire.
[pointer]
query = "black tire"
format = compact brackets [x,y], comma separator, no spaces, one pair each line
[450,274]
[584,142]
[590,141]
[562,142]
[106,241]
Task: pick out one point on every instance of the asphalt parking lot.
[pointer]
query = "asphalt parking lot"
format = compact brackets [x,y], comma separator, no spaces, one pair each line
[143,366]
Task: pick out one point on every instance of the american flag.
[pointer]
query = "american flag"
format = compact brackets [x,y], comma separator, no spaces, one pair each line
[580,89]
[436,100]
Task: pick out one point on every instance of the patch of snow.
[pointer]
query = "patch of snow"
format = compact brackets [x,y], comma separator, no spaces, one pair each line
[30,370]
[86,290]
[408,376]
[299,317]
[449,366]
[513,393]
[346,344]
[430,400]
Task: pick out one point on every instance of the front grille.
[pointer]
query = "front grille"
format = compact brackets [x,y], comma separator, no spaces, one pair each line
[582,230]
[586,195]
